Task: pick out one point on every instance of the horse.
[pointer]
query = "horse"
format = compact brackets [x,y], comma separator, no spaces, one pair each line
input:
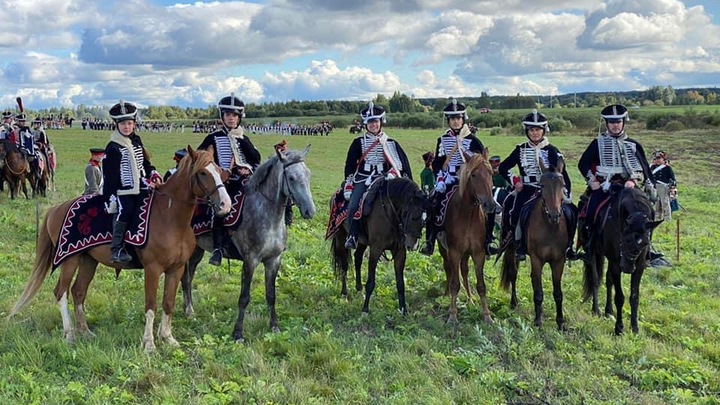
[464,233]
[395,223]
[547,239]
[15,168]
[39,181]
[170,243]
[262,235]
[624,240]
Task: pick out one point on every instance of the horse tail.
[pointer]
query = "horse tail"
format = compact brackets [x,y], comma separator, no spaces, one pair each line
[43,260]
[509,269]
[341,257]
[590,280]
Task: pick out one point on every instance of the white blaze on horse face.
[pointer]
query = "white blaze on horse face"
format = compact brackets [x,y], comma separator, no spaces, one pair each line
[222,192]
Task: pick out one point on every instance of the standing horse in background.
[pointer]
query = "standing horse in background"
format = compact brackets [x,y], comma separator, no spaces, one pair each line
[262,235]
[394,223]
[624,240]
[39,178]
[464,233]
[170,244]
[15,168]
[547,240]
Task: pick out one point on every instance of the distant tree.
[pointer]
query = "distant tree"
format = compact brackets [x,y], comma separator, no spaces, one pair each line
[669,95]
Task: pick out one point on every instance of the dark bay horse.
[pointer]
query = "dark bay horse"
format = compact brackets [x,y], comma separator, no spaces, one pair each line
[547,239]
[262,235]
[624,240]
[170,244]
[15,168]
[40,179]
[464,233]
[395,223]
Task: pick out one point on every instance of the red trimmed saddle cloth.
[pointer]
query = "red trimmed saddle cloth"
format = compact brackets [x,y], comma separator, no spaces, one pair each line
[202,218]
[87,224]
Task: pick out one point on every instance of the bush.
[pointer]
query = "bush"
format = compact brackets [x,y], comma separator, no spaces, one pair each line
[560,125]
[495,131]
[674,126]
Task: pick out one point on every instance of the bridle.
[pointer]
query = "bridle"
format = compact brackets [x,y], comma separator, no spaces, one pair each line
[399,219]
[553,217]
[206,193]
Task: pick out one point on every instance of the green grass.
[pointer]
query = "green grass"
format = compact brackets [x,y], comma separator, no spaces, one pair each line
[328,353]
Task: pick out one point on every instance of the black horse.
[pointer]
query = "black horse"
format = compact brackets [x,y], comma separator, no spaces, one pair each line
[395,223]
[624,240]
[14,168]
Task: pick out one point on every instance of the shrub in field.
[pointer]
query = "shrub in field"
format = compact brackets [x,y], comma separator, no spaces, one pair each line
[560,125]
[495,131]
[674,126]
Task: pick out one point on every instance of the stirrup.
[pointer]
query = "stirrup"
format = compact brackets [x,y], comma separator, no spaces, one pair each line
[427,249]
[491,250]
[520,256]
[571,255]
[216,258]
[351,242]
[120,256]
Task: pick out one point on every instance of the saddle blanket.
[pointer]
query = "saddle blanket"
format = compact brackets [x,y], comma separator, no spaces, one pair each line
[87,224]
[443,201]
[203,216]
[338,211]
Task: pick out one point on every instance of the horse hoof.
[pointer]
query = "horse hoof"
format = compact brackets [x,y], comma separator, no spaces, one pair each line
[488,319]
[452,321]
[275,329]
[149,347]
[170,341]
[364,314]
[240,340]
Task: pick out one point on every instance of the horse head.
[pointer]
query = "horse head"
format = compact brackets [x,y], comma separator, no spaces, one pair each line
[637,212]
[552,184]
[206,179]
[296,180]
[476,179]
[409,206]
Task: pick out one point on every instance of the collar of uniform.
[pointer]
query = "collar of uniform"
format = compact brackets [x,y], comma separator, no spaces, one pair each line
[623,136]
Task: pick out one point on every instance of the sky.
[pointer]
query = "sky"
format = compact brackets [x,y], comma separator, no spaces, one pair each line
[192,53]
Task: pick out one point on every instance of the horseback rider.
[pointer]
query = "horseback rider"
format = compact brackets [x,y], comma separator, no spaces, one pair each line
[6,129]
[177,157]
[26,143]
[450,152]
[370,157]
[233,152]
[527,157]
[41,139]
[126,171]
[93,172]
[611,161]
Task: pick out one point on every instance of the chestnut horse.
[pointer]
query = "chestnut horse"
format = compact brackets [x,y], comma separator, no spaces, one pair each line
[464,233]
[395,223]
[547,239]
[170,244]
[624,240]
[15,168]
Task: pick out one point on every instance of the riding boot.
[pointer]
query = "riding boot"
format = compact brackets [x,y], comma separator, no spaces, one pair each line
[218,235]
[118,253]
[430,236]
[353,231]
[489,239]
[588,253]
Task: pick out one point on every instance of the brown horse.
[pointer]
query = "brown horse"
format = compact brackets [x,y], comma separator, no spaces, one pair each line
[170,243]
[624,241]
[547,239]
[39,179]
[15,168]
[464,233]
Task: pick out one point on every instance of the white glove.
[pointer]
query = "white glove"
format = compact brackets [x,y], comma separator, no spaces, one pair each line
[348,189]
[392,174]
[440,187]
[605,185]
[450,179]
[111,207]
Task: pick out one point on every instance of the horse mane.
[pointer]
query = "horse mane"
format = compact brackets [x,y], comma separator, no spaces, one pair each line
[189,167]
[636,205]
[260,176]
[401,187]
[473,163]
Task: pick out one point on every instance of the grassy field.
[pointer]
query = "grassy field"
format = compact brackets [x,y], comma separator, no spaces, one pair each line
[328,353]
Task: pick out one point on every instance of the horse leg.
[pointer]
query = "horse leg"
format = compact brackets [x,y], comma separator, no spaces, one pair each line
[271,271]
[478,256]
[152,278]
[244,299]
[635,298]
[609,312]
[358,256]
[172,280]
[536,278]
[375,253]
[67,271]
[614,271]
[187,280]
[452,272]
[557,267]
[399,260]
[86,273]
[465,273]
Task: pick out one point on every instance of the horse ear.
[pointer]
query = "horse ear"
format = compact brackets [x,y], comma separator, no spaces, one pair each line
[542,165]
[560,165]
[305,151]
[191,151]
[649,226]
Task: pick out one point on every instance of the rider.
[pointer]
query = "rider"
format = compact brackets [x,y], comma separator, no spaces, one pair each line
[126,171]
[26,143]
[179,154]
[611,161]
[40,138]
[450,152]
[526,156]
[93,172]
[370,157]
[6,129]
[234,152]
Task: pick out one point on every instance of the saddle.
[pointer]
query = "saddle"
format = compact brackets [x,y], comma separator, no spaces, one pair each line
[338,207]
[203,216]
[87,224]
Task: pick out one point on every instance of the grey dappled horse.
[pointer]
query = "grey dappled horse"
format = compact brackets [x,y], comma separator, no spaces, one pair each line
[262,235]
